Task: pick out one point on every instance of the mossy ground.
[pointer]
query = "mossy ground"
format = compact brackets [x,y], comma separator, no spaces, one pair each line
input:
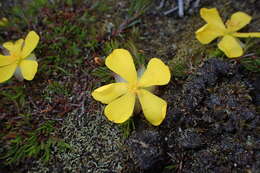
[76,36]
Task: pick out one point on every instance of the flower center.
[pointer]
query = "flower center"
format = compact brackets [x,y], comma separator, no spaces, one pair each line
[16,57]
[133,87]
[231,25]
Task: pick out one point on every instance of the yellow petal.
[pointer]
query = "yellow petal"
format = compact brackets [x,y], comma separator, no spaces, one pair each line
[208,33]
[28,68]
[110,92]
[121,109]
[211,16]
[157,73]
[18,45]
[230,46]
[121,62]
[3,21]
[237,21]
[245,35]
[6,60]
[154,107]
[14,48]
[8,45]
[30,43]
[6,72]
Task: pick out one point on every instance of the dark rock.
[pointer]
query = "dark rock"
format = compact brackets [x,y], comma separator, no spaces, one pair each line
[247,115]
[217,129]
[213,101]
[232,103]
[229,126]
[256,93]
[220,118]
[147,150]
[189,139]
[207,76]
[220,121]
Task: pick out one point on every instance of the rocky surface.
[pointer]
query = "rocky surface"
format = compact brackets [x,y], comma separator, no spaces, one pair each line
[147,149]
[211,126]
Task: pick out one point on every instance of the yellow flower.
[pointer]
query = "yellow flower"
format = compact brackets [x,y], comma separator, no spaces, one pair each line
[121,97]
[214,28]
[19,60]
[3,21]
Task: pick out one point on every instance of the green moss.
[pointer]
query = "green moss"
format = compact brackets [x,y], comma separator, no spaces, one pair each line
[251,60]
[127,127]
[109,46]
[251,63]
[36,143]
[55,88]
[15,95]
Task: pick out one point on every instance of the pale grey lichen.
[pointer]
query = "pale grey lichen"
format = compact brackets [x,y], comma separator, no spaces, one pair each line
[96,146]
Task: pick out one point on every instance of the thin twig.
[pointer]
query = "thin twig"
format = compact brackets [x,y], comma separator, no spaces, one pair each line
[161,5]
[125,24]
[170,11]
[248,55]
[180,5]
[196,4]
[82,108]
[83,97]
